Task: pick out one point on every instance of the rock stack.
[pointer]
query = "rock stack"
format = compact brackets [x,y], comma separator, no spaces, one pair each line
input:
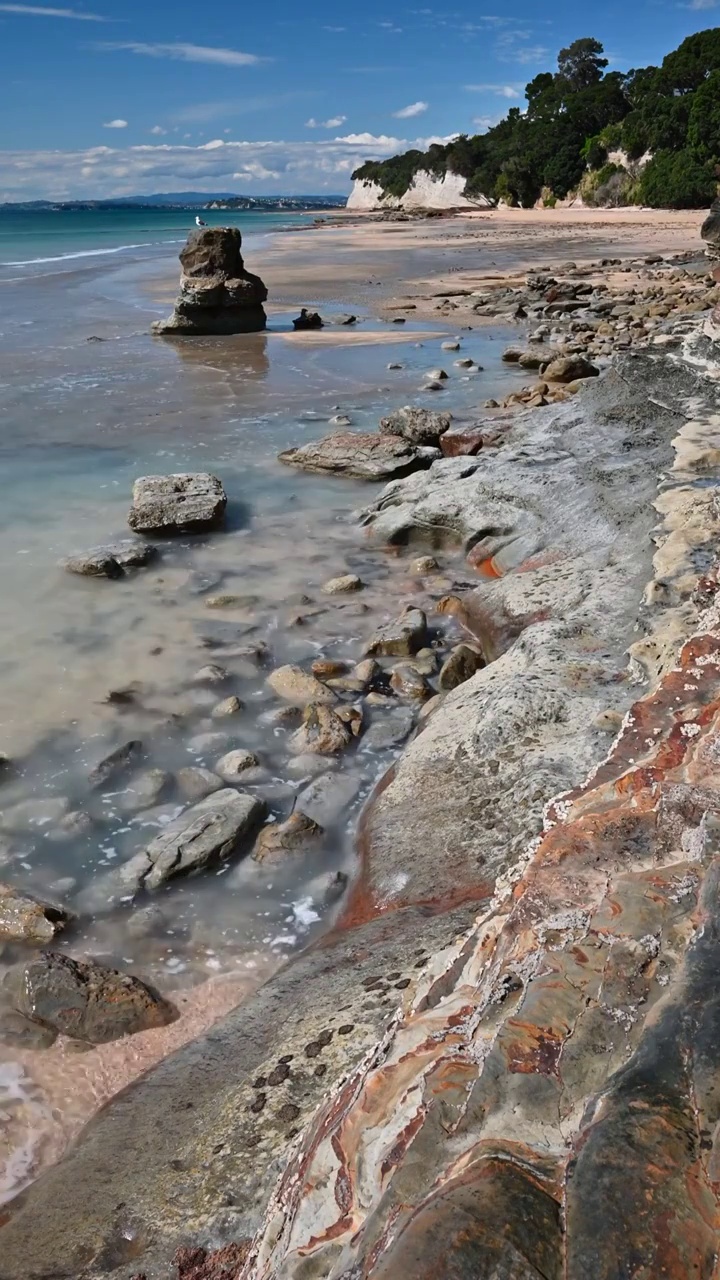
[217,295]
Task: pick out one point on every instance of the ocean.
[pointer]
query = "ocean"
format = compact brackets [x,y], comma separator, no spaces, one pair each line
[33,240]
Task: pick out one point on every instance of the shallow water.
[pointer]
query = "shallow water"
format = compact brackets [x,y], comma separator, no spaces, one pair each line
[80,420]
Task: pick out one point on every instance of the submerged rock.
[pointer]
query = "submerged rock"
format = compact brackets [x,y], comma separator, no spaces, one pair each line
[363,456]
[84,1000]
[116,763]
[24,918]
[27,814]
[327,797]
[189,502]
[235,764]
[217,295]
[340,586]
[196,783]
[110,561]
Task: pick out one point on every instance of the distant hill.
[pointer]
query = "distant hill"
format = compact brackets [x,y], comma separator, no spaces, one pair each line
[188,200]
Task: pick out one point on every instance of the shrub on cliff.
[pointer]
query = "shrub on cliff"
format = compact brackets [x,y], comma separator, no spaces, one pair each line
[677,180]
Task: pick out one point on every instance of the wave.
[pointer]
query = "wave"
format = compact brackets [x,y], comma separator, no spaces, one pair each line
[88,253]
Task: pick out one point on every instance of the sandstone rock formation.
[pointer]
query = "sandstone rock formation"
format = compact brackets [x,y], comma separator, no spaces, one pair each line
[217,295]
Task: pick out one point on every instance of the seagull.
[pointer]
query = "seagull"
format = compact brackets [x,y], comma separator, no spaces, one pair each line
[199,222]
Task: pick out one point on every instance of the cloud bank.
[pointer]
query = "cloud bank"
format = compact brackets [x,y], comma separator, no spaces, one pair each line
[261,168]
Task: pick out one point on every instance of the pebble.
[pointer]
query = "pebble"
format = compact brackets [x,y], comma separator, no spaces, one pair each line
[211,674]
[235,763]
[228,707]
[338,586]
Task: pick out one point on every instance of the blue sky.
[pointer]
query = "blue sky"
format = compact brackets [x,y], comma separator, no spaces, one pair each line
[106,97]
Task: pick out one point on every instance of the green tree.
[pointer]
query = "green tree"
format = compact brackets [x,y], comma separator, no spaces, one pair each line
[703,132]
[677,180]
[582,64]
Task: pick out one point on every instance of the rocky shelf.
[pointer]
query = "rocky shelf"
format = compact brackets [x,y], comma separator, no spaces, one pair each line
[503,1058]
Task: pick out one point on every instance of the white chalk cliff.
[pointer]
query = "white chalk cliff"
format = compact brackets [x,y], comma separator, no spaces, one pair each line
[426,191]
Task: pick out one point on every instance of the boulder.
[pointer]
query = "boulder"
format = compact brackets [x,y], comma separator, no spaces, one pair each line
[234,764]
[83,999]
[217,295]
[280,838]
[24,918]
[110,561]
[390,731]
[568,368]
[185,503]
[143,790]
[419,426]
[209,832]
[409,683]
[322,732]
[710,231]
[402,637]
[362,456]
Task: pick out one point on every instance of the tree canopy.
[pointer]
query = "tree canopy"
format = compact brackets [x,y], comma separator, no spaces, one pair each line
[573,122]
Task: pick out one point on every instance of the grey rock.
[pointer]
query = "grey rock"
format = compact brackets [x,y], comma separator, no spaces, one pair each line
[24,918]
[364,457]
[295,835]
[188,502]
[390,731]
[211,674]
[419,426]
[402,637]
[73,826]
[340,586]
[209,832]
[228,707]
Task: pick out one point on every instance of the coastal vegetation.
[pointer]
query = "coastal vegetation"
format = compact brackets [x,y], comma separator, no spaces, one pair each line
[651,136]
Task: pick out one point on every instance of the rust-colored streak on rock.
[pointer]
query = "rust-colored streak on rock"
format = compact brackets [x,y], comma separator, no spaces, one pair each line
[579,1017]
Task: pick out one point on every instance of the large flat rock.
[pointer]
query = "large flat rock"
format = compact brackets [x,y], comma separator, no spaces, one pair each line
[189,502]
[363,456]
[208,832]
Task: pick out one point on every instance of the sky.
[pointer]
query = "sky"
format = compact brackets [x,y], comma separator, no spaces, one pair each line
[119,97]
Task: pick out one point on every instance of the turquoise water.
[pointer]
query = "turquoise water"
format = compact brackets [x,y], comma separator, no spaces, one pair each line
[34,239]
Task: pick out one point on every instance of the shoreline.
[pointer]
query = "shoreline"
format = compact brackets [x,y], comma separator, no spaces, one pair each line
[409,895]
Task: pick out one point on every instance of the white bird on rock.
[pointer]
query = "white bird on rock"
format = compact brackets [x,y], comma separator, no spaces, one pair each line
[199,222]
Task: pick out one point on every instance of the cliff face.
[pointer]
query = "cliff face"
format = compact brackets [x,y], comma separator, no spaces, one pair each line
[427,191]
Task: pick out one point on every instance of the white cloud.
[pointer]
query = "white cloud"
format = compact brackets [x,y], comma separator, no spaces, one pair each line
[40,11]
[486,122]
[502,90]
[271,166]
[701,4]
[333,123]
[415,109]
[115,124]
[188,53]
[158,130]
